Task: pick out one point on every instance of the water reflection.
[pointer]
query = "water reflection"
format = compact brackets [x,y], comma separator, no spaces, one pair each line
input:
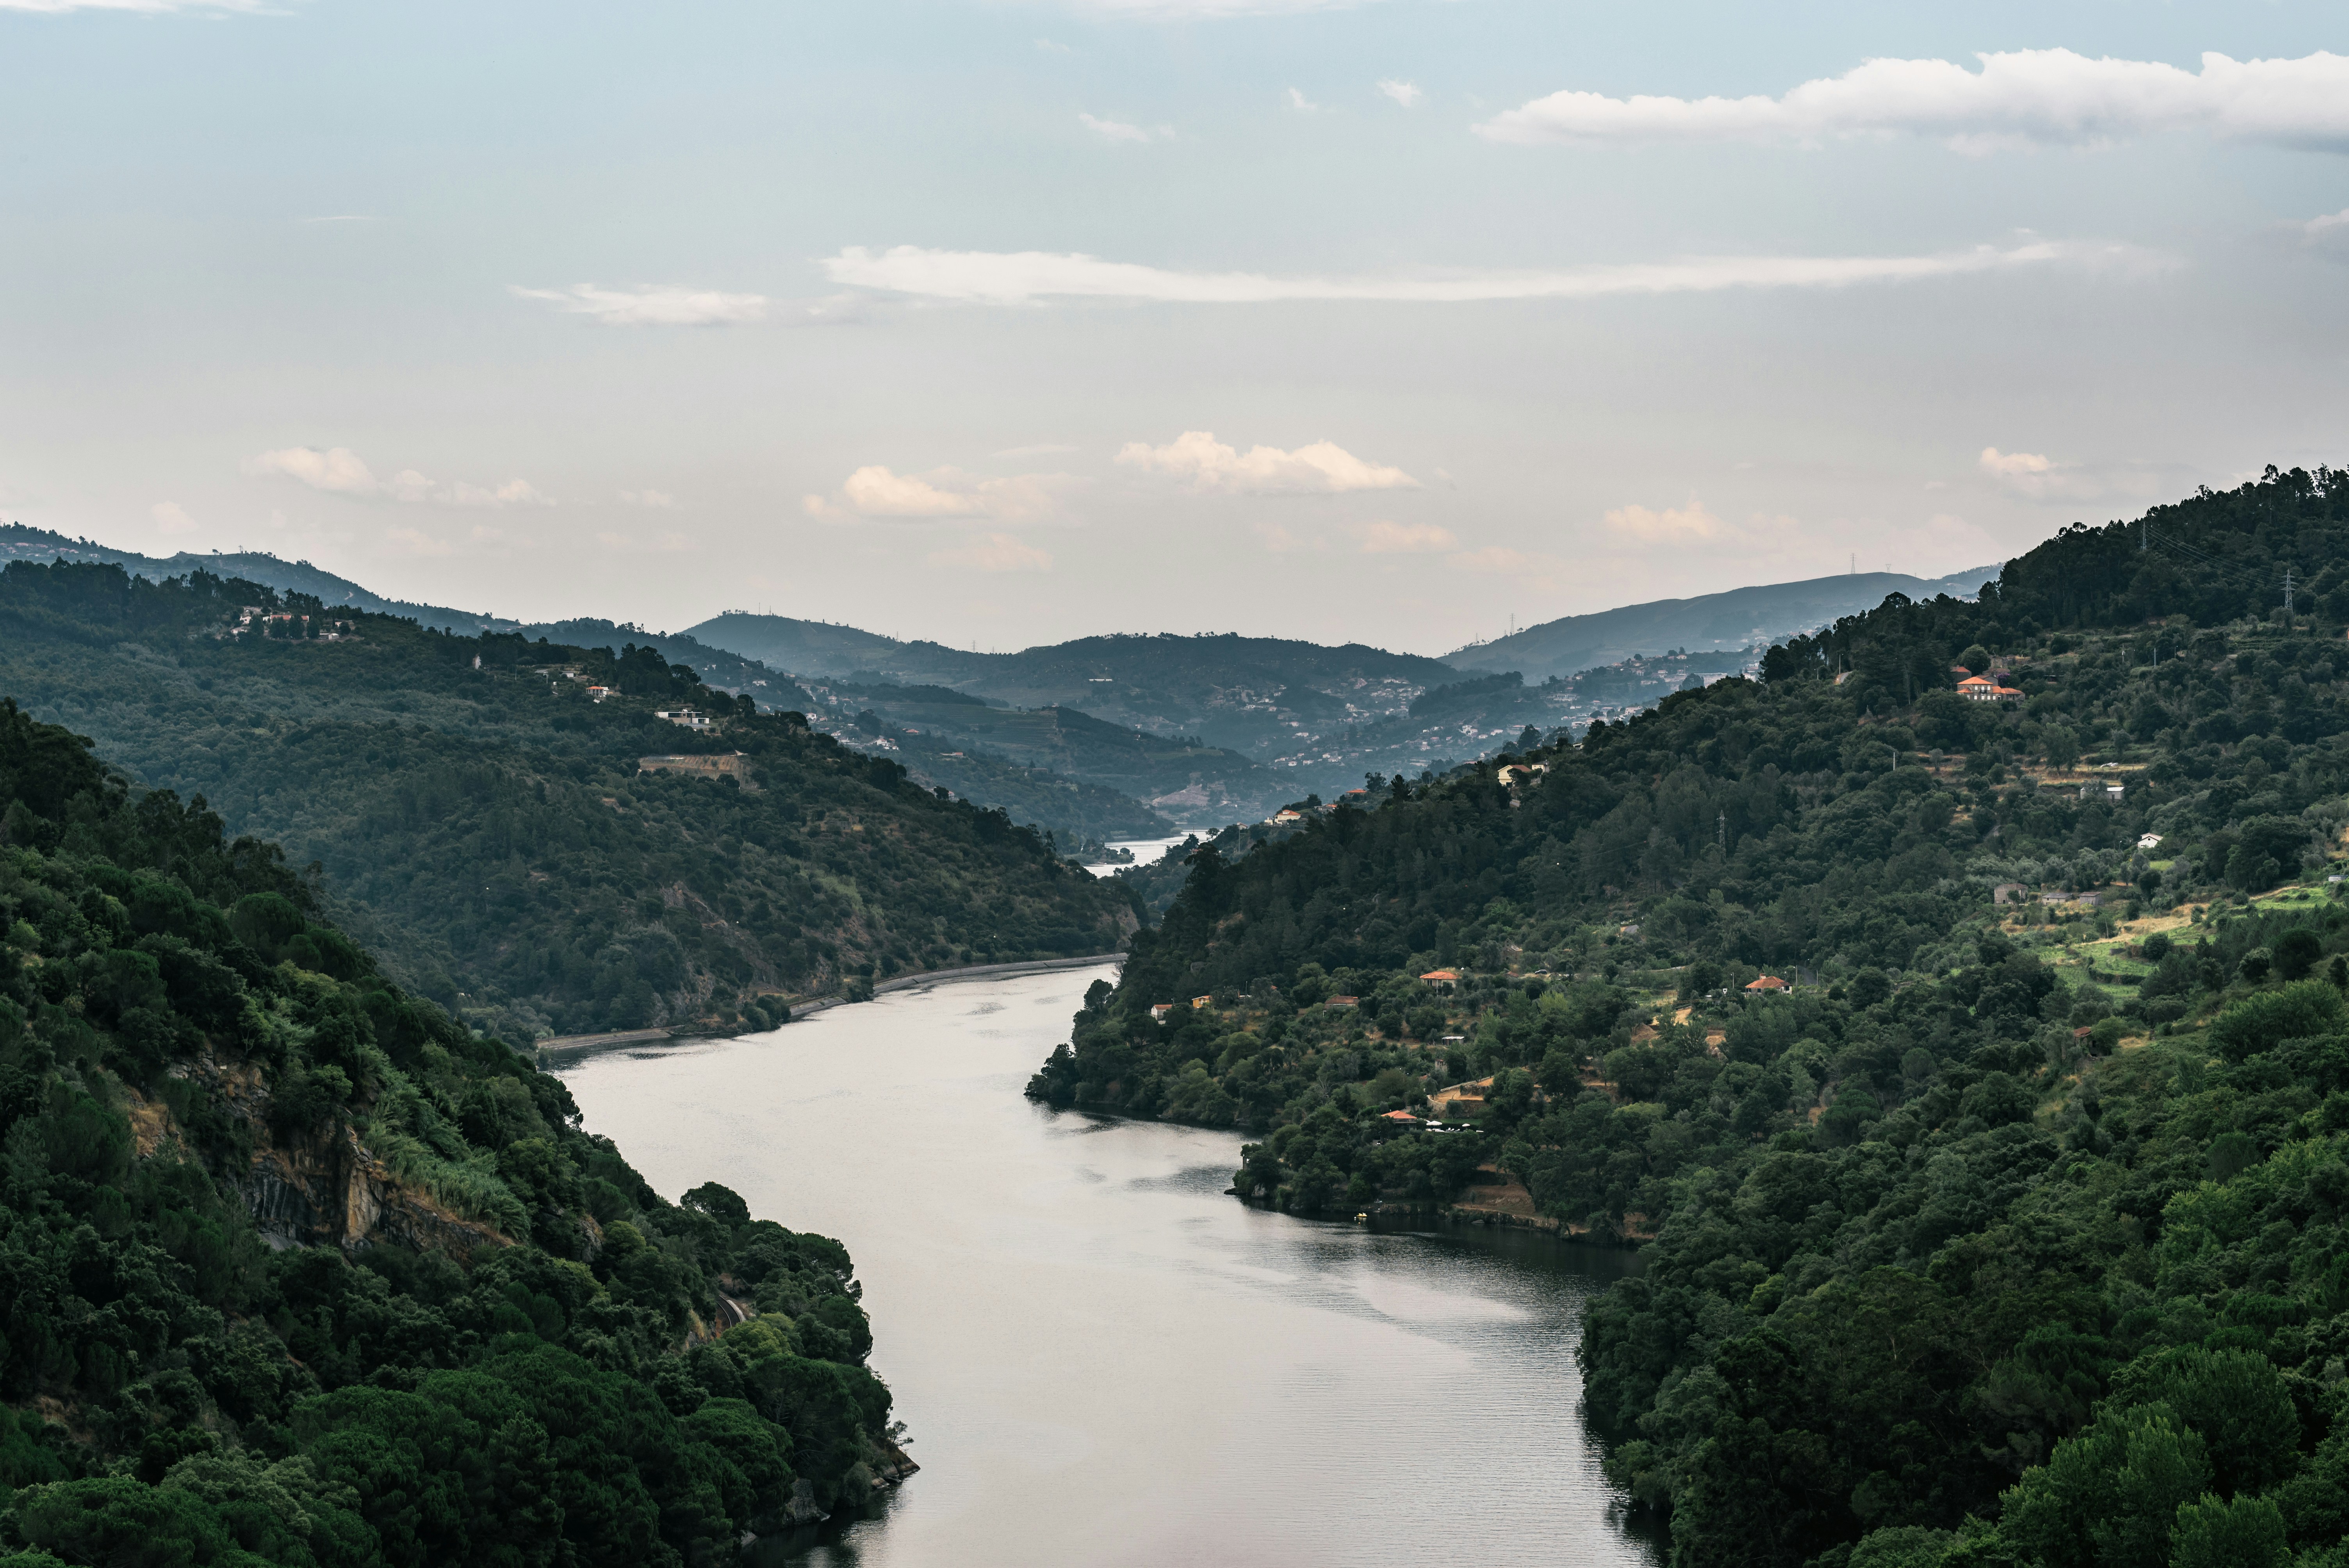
[1103,1359]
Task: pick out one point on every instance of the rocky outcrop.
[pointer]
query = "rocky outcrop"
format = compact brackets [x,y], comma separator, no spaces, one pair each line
[324,1189]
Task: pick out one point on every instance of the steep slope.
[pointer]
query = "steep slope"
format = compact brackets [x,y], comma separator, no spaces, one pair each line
[1739,619]
[296,1270]
[502,837]
[1974,1073]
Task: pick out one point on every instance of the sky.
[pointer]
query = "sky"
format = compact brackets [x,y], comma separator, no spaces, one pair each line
[1000,323]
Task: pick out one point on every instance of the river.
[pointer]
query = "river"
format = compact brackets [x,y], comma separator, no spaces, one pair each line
[1102,1360]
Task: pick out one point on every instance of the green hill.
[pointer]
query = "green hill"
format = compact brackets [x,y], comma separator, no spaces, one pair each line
[1173,774]
[296,1270]
[494,831]
[1268,698]
[1736,620]
[1973,1074]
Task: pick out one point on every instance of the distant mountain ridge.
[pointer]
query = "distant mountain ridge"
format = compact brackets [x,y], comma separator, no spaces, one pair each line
[1738,618]
[19,541]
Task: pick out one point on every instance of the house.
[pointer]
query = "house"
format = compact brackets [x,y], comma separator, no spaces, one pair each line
[1199,1002]
[1633,930]
[1980,688]
[1284,817]
[686,716]
[1159,1010]
[2008,892]
[597,694]
[1442,979]
[1767,982]
[1399,1119]
[1343,1002]
[2114,792]
[2148,841]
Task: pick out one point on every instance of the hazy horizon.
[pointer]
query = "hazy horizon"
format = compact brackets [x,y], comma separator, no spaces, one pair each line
[1000,323]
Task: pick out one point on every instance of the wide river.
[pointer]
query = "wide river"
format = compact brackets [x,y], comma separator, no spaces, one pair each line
[1102,1360]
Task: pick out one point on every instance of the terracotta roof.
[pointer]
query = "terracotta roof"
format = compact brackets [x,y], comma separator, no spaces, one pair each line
[1767,982]
[1399,1116]
[1441,975]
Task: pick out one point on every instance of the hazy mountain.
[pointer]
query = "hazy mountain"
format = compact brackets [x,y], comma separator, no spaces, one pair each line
[715,666]
[20,543]
[1739,618]
[1193,783]
[1270,697]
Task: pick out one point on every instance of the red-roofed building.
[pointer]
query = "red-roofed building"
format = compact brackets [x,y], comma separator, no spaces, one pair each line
[1767,983]
[1442,979]
[1401,1118]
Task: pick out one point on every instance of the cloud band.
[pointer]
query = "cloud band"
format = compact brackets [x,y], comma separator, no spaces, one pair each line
[1027,278]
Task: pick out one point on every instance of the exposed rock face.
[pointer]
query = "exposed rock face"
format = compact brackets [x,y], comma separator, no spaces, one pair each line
[324,1190]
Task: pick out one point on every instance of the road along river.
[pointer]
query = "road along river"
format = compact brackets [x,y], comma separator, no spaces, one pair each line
[1101,1358]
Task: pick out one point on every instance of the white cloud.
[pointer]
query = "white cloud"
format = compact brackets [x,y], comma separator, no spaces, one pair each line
[1533,570]
[1301,104]
[1046,46]
[875,491]
[1407,539]
[1204,463]
[340,471]
[1404,93]
[1208,10]
[2027,98]
[337,470]
[1025,277]
[1681,525]
[2035,476]
[652,499]
[2014,465]
[58,7]
[2328,235]
[171,518]
[652,305]
[994,552]
[415,542]
[1118,130]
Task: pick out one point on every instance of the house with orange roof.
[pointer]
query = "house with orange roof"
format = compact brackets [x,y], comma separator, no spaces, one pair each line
[1767,982]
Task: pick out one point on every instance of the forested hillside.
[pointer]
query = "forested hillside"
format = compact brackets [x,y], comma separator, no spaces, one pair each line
[296,1270]
[1974,1074]
[488,826]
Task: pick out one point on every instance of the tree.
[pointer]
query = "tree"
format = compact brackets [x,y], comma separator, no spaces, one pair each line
[1976,659]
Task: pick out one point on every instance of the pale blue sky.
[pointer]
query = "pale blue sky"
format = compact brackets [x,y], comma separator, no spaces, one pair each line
[591,309]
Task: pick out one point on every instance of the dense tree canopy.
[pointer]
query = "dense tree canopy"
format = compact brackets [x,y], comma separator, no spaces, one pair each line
[486,826]
[295,1269]
[2009,1231]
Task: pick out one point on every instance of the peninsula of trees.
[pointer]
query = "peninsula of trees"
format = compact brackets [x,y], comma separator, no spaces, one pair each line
[1954,1015]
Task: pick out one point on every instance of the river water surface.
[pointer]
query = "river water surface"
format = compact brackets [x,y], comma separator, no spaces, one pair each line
[1102,1358]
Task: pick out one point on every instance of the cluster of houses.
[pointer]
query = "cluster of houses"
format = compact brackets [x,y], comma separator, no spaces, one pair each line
[286,624]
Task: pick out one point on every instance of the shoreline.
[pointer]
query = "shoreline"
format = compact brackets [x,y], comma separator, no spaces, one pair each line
[588,1044]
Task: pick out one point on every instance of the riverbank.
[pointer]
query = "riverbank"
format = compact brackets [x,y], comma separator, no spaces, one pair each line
[586,1044]
[1108,1363]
